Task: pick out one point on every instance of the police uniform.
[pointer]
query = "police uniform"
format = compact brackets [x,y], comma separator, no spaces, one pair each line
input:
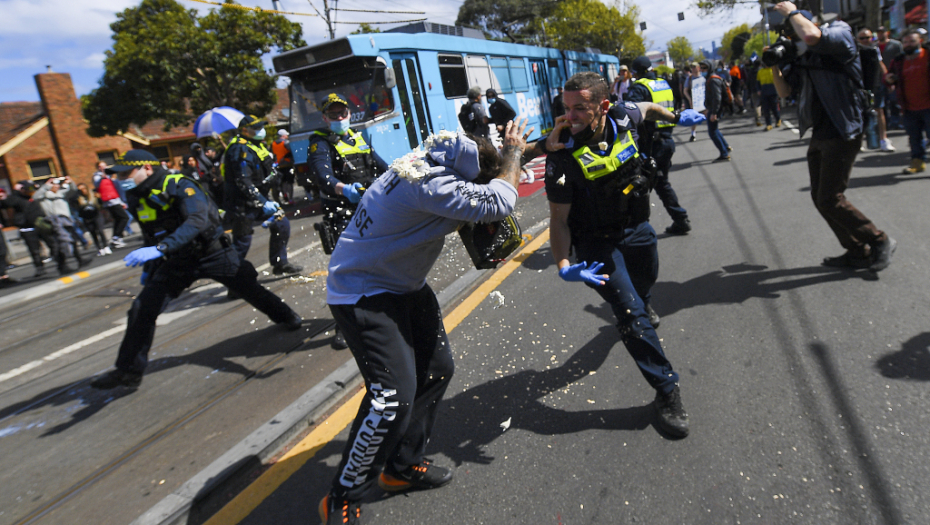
[656,140]
[609,223]
[178,217]
[246,165]
[348,159]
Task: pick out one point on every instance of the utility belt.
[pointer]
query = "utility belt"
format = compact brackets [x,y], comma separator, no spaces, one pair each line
[218,245]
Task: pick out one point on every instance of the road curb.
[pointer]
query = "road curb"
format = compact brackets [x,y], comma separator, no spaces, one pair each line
[264,442]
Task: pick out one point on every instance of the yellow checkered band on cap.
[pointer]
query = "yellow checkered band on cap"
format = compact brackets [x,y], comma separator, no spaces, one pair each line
[331,99]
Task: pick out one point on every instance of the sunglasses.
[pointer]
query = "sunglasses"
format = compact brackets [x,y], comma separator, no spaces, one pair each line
[865,38]
[337,114]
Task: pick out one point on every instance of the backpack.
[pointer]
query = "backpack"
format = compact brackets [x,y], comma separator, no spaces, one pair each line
[727,96]
[467,118]
[871,68]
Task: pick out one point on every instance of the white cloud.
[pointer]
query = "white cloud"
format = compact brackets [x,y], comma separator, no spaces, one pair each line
[60,19]
[94,60]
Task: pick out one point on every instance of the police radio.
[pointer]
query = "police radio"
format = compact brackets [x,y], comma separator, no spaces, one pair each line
[491,243]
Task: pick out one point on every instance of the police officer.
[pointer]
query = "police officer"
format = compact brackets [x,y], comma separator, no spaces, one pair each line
[598,193]
[343,164]
[184,241]
[247,164]
[656,139]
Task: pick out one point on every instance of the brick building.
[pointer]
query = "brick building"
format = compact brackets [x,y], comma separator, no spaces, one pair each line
[49,138]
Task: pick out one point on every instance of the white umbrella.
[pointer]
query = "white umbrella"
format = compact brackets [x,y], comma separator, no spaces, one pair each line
[217,120]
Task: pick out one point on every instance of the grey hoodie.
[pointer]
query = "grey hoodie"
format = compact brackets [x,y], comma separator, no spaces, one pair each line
[398,230]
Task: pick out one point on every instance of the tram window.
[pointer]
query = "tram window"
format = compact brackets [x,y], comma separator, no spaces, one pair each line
[479,74]
[453,76]
[501,74]
[518,74]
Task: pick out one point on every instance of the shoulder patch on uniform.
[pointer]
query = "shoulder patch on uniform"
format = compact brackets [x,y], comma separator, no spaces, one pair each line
[241,141]
[629,105]
[245,154]
[190,192]
[313,147]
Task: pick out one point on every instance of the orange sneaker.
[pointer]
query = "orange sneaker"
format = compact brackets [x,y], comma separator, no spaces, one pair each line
[339,511]
[422,476]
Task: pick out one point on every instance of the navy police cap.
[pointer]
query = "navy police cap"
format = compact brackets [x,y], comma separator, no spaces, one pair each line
[132,159]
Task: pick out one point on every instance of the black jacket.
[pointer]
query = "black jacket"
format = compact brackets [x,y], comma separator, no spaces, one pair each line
[25,210]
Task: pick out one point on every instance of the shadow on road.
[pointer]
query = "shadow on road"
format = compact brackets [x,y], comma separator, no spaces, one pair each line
[911,362]
[737,283]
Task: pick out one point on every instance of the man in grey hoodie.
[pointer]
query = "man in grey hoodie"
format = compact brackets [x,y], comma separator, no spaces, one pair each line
[377,292]
[52,196]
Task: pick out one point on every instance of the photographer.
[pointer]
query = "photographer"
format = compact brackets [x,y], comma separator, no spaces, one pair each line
[823,63]
[377,292]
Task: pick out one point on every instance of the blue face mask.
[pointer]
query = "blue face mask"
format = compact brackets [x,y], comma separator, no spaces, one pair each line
[339,127]
[127,184]
[260,135]
[705,74]
[492,100]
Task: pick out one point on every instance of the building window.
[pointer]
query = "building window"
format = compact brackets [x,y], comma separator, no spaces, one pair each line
[108,157]
[41,169]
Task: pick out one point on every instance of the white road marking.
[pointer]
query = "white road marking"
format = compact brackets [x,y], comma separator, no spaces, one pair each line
[793,129]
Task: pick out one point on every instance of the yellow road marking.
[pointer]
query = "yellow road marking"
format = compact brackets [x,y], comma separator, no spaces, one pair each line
[70,278]
[252,496]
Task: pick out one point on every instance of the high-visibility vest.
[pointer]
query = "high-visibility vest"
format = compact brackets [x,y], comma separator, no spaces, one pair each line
[595,165]
[662,95]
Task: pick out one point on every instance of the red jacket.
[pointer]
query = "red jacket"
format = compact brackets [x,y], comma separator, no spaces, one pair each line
[897,67]
[107,190]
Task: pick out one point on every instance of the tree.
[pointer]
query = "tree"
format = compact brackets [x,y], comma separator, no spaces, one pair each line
[733,35]
[576,24]
[710,7]
[505,19]
[166,63]
[757,42]
[680,50]
[364,28]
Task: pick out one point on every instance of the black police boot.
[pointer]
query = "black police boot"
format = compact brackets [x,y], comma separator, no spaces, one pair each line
[681,227]
[339,342]
[654,318]
[672,416]
[286,268]
[293,321]
[115,378]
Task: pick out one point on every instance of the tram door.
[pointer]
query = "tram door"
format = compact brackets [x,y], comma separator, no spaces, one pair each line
[412,102]
[541,79]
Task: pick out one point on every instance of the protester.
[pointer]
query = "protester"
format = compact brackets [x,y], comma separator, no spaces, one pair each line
[29,217]
[694,71]
[377,292]
[284,158]
[622,82]
[768,96]
[472,116]
[557,108]
[114,205]
[52,196]
[736,85]
[89,211]
[500,110]
[890,50]
[873,81]
[831,106]
[713,102]
[910,74]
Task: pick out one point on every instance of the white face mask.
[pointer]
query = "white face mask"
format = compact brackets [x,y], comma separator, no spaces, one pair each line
[260,135]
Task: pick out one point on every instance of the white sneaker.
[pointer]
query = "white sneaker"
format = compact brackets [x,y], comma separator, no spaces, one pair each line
[117,243]
[886,145]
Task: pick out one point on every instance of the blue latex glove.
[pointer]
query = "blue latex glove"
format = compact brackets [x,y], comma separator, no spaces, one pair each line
[689,117]
[581,272]
[142,256]
[144,279]
[351,192]
[270,207]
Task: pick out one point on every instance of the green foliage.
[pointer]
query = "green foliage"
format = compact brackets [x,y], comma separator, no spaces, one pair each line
[679,50]
[710,7]
[727,41]
[589,23]
[756,43]
[663,70]
[168,63]
[511,20]
[365,28]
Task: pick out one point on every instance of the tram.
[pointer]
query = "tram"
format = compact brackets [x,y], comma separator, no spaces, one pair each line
[410,82]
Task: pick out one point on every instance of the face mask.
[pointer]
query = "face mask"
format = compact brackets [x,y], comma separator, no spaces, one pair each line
[339,127]
[260,135]
[587,133]
[492,100]
[705,74]
[127,184]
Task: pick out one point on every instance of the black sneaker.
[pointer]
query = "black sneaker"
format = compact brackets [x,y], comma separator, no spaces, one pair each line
[692,139]
[293,321]
[232,295]
[339,341]
[681,227]
[339,511]
[654,318]
[422,476]
[881,254]
[115,378]
[722,158]
[672,416]
[286,268]
[847,260]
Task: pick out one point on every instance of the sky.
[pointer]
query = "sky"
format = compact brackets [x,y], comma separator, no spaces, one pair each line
[72,35]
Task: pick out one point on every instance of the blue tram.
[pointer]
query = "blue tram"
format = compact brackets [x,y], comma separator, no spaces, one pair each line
[406,85]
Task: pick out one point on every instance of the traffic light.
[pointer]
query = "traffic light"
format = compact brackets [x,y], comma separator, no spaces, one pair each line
[642,26]
[681,16]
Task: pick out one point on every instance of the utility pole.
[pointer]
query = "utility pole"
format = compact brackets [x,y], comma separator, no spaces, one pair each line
[327,15]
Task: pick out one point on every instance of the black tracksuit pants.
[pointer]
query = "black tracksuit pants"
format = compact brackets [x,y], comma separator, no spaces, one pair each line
[403,353]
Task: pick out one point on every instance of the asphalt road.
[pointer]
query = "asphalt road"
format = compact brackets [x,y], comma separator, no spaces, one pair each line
[806,385]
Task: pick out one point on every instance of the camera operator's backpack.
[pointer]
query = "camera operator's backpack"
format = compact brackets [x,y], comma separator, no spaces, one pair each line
[467,118]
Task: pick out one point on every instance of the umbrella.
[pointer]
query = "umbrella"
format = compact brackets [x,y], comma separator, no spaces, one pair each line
[216,121]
